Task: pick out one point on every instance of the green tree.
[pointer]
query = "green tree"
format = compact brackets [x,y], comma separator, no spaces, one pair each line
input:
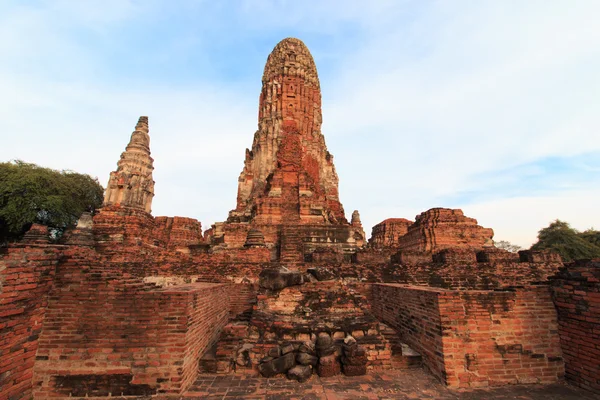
[32,194]
[592,236]
[506,245]
[568,242]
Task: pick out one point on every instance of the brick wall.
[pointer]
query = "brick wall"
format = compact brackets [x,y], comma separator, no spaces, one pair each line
[457,269]
[242,298]
[25,277]
[414,313]
[207,313]
[576,292]
[108,332]
[476,338]
[493,338]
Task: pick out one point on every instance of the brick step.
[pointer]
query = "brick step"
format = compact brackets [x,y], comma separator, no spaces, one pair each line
[291,245]
[403,356]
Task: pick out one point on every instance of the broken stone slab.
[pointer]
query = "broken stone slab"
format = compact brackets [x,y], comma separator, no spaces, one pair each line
[274,352]
[349,340]
[287,348]
[324,340]
[306,359]
[327,351]
[267,369]
[277,366]
[301,373]
[308,348]
[321,273]
[279,278]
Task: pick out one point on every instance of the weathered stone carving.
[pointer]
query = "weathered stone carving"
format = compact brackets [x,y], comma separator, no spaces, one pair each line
[131,185]
[289,185]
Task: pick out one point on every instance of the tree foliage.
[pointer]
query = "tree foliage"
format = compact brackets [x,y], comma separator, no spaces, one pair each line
[568,242]
[33,194]
[592,236]
[506,245]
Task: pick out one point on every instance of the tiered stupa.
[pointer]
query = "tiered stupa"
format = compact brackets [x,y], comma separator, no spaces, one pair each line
[288,188]
[131,185]
[125,214]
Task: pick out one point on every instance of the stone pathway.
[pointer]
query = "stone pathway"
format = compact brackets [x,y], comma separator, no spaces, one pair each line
[406,384]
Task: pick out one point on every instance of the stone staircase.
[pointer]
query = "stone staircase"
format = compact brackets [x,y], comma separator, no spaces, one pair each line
[291,250]
[403,357]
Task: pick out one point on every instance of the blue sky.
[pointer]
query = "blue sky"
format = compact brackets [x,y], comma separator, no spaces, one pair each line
[492,107]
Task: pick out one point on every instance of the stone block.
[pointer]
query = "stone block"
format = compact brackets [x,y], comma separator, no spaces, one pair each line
[300,373]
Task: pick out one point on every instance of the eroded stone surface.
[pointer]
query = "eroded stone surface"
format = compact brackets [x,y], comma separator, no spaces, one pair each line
[388,232]
[131,185]
[288,188]
[441,228]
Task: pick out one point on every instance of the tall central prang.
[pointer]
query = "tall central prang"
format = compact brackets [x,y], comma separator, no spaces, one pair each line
[288,189]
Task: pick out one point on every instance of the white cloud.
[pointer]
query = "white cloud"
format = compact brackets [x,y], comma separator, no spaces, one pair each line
[518,219]
[421,101]
[494,86]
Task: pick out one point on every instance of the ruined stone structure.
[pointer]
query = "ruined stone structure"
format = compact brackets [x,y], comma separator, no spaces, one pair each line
[387,233]
[288,188]
[134,305]
[441,228]
[131,185]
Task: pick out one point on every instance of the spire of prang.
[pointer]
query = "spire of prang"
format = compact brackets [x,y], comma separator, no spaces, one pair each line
[131,185]
[289,132]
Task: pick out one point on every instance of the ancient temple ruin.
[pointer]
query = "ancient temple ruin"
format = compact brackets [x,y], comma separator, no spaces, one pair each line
[288,189]
[136,305]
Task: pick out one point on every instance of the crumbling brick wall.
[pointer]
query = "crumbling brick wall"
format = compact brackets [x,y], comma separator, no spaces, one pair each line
[493,338]
[576,293]
[476,338]
[107,332]
[414,313]
[463,269]
[207,312]
[26,273]
[242,298]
